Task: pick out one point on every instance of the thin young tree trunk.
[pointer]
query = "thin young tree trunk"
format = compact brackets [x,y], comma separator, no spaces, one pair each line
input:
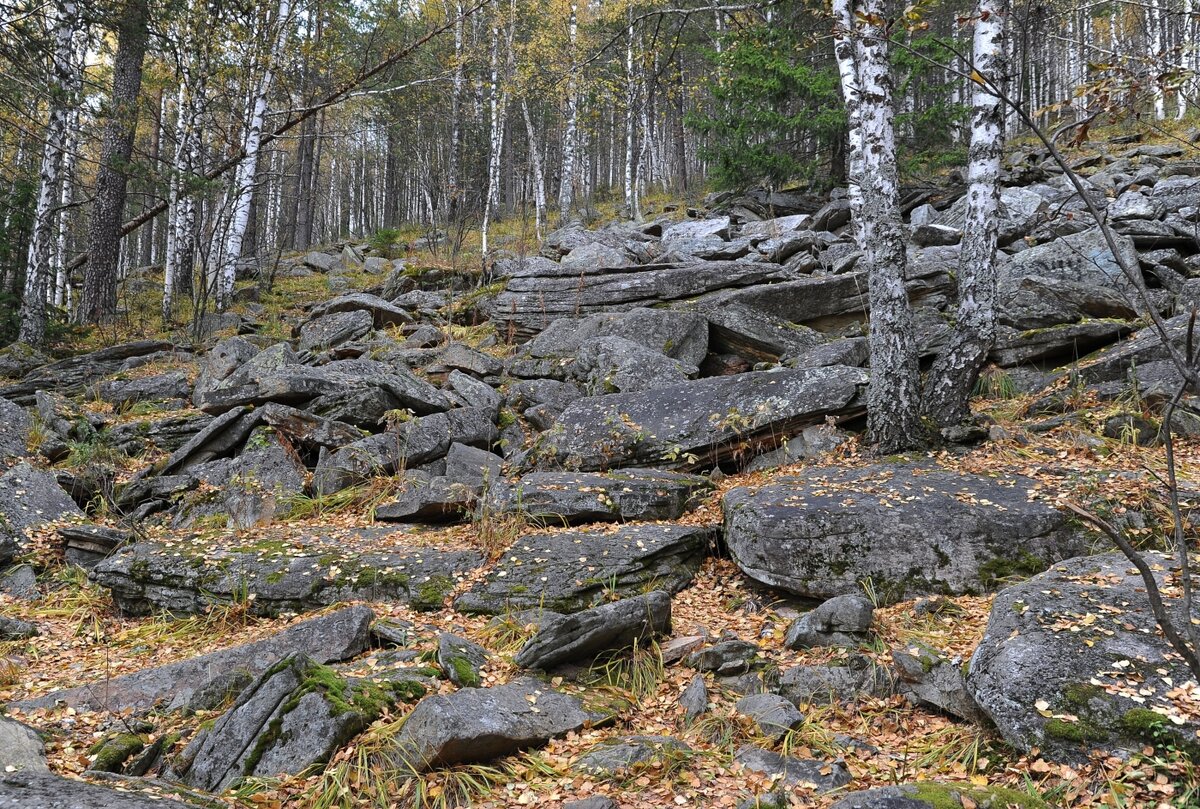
[539,178]
[456,94]
[498,111]
[99,302]
[631,174]
[566,189]
[243,182]
[952,379]
[843,52]
[893,402]
[37,269]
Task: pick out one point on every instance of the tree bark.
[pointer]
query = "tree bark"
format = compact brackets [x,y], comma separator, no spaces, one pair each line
[845,56]
[99,301]
[952,379]
[242,191]
[37,268]
[893,401]
[566,188]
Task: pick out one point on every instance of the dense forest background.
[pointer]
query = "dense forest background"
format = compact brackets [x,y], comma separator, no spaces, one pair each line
[257,128]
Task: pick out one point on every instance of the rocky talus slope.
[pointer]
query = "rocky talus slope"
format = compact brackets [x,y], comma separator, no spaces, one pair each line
[528,490]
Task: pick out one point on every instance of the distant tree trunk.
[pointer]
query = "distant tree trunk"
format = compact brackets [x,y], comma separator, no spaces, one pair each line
[99,301]
[539,178]
[46,214]
[893,403]
[498,111]
[631,153]
[680,133]
[243,182]
[952,379]
[844,54]
[180,260]
[456,93]
[566,188]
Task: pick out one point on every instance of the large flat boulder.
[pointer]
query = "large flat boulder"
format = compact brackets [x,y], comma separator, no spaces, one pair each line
[530,302]
[329,638]
[573,498]
[573,570]
[908,529]
[479,724]
[281,570]
[696,424]
[21,749]
[1065,280]
[1072,661]
[679,335]
[72,376]
[33,790]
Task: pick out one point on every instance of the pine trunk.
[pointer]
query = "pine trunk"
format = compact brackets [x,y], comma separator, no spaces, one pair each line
[99,301]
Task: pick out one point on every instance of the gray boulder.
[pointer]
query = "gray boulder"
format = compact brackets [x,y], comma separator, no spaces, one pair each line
[616,365]
[20,582]
[38,790]
[296,715]
[329,331]
[383,313]
[820,775]
[1103,684]
[1065,280]
[337,636]
[29,499]
[679,335]
[284,572]
[926,678]
[699,423]
[725,657]
[819,685]
[14,430]
[479,724]
[841,621]
[694,699]
[408,445]
[21,749]
[623,754]
[158,388]
[911,530]
[531,302]
[574,498]
[746,331]
[573,570]
[772,714]
[72,376]
[460,659]
[585,634]
[422,498]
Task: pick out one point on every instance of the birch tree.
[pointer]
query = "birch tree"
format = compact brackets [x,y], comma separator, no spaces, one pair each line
[37,268]
[843,53]
[566,192]
[893,401]
[242,190]
[952,379]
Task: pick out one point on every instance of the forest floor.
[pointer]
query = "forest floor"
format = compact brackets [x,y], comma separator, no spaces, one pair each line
[85,640]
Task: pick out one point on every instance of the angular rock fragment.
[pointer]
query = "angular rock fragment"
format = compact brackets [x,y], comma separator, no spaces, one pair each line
[585,634]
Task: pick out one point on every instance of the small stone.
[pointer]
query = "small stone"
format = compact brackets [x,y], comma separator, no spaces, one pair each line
[694,699]
[824,776]
[726,657]
[460,659]
[773,714]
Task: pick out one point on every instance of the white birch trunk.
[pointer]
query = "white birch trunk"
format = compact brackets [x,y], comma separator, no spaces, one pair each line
[843,52]
[37,268]
[893,403]
[952,379]
[566,189]
[539,176]
[243,183]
